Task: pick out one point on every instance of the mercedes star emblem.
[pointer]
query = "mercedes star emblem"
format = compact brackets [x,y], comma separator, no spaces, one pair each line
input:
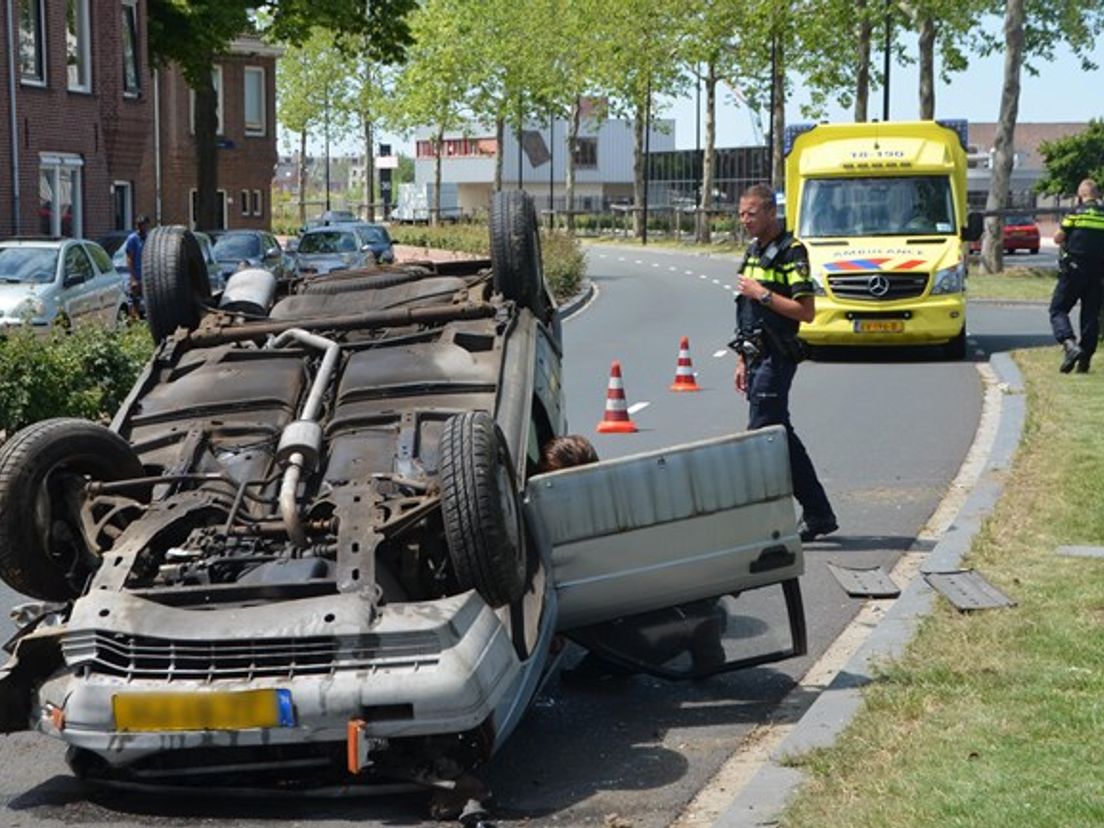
[878,285]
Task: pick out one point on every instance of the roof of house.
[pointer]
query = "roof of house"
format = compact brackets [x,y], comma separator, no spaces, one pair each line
[1026,138]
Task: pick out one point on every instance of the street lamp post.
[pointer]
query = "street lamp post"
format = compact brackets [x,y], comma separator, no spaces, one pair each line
[888,44]
[551,166]
[647,158]
[326,116]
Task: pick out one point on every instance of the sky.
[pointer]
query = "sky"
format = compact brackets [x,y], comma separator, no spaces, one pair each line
[1061,91]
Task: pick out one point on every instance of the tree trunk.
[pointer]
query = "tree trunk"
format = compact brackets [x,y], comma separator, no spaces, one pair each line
[369,171]
[778,118]
[303,177]
[638,172]
[862,75]
[206,128]
[1003,140]
[500,138]
[705,202]
[439,145]
[573,123]
[926,32]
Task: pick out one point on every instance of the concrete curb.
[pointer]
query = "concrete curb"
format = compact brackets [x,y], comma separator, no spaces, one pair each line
[766,794]
[572,305]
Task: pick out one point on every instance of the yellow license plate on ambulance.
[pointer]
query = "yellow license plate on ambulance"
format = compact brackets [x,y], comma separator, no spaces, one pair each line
[172,711]
[881,326]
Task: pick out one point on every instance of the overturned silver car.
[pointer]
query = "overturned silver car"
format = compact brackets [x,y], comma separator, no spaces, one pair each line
[313,546]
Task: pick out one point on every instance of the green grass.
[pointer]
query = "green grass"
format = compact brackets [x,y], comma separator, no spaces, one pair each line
[995,718]
[1030,284]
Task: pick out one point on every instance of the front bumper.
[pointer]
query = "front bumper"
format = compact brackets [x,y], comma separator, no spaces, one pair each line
[416,669]
[933,321]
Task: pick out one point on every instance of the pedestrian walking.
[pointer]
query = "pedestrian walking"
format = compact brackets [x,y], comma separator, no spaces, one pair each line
[775,294]
[133,248]
[1080,238]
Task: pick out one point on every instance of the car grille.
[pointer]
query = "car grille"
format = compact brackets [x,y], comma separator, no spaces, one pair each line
[878,287]
[142,657]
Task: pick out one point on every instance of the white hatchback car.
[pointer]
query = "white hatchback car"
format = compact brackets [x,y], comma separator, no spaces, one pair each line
[48,282]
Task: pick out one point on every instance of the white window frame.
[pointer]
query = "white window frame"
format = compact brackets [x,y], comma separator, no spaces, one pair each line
[128,202]
[131,6]
[255,128]
[39,43]
[192,210]
[258,204]
[54,164]
[216,77]
[83,35]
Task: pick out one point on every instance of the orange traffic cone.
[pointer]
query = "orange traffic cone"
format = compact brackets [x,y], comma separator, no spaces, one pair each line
[616,419]
[684,373]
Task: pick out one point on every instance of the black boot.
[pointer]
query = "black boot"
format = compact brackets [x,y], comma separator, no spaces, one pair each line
[1083,363]
[1069,359]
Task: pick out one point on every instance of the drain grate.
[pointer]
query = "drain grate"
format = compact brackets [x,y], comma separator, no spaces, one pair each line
[864,581]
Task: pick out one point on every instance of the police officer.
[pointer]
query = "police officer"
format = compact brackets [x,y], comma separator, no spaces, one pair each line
[775,295]
[1080,278]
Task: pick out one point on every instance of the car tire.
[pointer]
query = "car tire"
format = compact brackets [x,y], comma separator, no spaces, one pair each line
[42,553]
[516,251]
[482,515]
[175,283]
[956,348]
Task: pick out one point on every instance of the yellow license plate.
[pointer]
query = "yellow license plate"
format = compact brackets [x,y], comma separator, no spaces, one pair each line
[240,710]
[893,326]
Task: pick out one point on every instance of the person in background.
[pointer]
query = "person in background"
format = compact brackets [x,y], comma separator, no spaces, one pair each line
[1080,238]
[133,247]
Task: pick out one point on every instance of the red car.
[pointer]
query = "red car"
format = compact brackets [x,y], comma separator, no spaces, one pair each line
[1020,233]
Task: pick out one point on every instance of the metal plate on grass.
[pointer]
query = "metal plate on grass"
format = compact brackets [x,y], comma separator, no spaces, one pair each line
[967,590]
[864,581]
[1081,551]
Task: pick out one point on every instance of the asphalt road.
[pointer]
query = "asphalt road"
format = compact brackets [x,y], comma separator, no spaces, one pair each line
[887,432]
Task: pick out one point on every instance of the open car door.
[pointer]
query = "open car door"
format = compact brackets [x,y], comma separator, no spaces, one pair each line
[650,551]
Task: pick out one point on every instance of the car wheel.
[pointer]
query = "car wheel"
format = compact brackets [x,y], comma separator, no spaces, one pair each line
[956,348]
[481,511]
[174,280]
[43,469]
[515,250]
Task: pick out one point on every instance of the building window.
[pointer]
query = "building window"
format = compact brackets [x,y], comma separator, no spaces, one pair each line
[193,203]
[254,84]
[122,199]
[59,194]
[32,42]
[132,83]
[243,200]
[216,79]
[258,204]
[78,46]
[586,152]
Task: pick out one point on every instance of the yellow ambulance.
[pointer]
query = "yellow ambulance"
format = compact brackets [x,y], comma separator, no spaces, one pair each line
[881,208]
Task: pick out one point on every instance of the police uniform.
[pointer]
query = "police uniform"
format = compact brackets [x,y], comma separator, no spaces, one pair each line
[1080,278]
[771,352]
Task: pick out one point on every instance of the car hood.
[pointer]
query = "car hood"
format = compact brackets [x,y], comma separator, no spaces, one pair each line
[323,262]
[12,296]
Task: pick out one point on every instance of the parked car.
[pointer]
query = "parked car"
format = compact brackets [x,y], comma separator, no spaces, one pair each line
[313,546]
[1020,232]
[325,249]
[255,248]
[329,217]
[377,238]
[65,282]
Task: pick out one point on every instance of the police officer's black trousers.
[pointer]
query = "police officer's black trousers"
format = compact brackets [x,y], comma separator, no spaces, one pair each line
[768,385]
[1077,283]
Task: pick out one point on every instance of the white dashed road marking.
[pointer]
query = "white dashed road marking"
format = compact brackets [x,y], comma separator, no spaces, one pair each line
[672,268]
[702,276]
[720,353]
[728,287]
[640,406]
[620,258]
[716,281]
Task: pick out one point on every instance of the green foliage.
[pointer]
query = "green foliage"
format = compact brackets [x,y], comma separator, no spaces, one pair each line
[1073,158]
[84,374]
[562,256]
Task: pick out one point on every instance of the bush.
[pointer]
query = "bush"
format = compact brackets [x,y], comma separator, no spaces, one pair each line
[564,264]
[84,374]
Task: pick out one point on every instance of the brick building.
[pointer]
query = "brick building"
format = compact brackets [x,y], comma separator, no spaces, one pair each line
[75,116]
[90,137]
[245,82]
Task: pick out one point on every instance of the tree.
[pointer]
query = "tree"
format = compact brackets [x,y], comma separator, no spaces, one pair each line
[1032,29]
[193,33]
[1072,159]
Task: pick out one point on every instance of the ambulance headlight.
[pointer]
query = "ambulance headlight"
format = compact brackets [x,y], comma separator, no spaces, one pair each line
[950,280]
